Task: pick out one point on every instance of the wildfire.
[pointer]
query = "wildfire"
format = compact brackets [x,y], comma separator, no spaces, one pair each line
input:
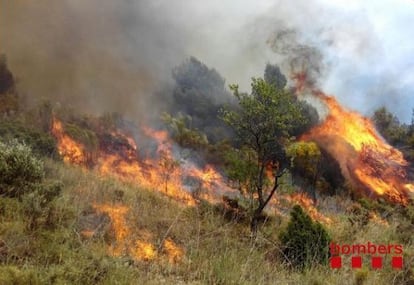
[364,157]
[174,252]
[144,251]
[305,202]
[125,244]
[119,226]
[70,150]
[159,170]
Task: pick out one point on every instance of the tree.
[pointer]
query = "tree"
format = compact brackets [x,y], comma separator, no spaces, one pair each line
[9,102]
[168,167]
[199,93]
[389,126]
[305,160]
[263,122]
[304,242]
[273,75]
[240,169]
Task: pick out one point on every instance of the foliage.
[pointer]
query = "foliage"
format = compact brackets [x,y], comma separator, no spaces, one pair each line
[240,168]
[196,140]
[305,243]
[83,135]
[263,123]
[264,119]
[274,76]
[389,126]
[304,157]
[305,160]
[8,96]
[23,177]
[200,93]
[41,143]
[37,204]
[218,251]
[184,136]
[19,169]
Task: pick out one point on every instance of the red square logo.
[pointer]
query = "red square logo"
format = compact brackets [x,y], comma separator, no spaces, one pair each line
[336,262]
[356,261]
[397,262]
[376,262]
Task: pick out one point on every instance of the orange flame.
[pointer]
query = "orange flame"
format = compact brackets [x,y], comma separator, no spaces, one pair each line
[119,225]
[305,202]
[70,150]
[163,172]
[174,252]
[363,155]
[144,251]
[125,244]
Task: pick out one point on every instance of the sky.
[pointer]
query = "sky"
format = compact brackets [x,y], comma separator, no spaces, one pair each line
[112,55]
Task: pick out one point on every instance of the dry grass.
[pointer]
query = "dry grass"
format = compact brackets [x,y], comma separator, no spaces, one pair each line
[215,250]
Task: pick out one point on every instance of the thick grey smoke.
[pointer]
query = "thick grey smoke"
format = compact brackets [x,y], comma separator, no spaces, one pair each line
[103,55]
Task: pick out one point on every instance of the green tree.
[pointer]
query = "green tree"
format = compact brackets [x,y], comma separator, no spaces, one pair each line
[240,168]
[199,93]
[304,242]
[305,160]
[389,126]
[273,75]
[263,122]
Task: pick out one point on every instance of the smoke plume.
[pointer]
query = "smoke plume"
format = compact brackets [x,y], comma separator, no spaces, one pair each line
[102,55]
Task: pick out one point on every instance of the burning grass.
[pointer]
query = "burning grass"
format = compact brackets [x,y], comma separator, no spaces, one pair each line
[120,156]
[125,242]
[167,243]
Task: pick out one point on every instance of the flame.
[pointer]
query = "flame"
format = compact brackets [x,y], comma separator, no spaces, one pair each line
[70,150]
[119,226]
[378,220]
[144,251]
[305,202]
[174,252]
[363,155]
[125,244]
[160,171]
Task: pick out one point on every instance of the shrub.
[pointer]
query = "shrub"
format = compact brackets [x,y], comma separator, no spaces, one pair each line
[87,137]
[42,143]
[304,242]
[19,169]
[37,205]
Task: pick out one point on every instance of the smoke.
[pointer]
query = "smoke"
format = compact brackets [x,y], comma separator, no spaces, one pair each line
[102,55]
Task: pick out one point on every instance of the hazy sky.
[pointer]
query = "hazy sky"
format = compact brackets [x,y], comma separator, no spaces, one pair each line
[106,54]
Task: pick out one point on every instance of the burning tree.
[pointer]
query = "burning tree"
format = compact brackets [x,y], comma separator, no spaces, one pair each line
[263,122]
[168,167]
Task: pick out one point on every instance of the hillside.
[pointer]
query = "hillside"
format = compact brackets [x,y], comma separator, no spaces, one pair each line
[104,231]
[216,142]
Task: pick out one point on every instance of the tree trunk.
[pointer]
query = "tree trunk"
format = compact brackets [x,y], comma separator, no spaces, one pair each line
[262,204]
[255,219]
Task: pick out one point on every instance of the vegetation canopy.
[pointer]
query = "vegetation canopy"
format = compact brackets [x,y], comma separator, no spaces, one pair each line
[263,123]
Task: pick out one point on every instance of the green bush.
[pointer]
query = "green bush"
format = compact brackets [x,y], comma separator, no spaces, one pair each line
[304,242]
[37,205]
[42,143]
[19,169]
[87,137]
